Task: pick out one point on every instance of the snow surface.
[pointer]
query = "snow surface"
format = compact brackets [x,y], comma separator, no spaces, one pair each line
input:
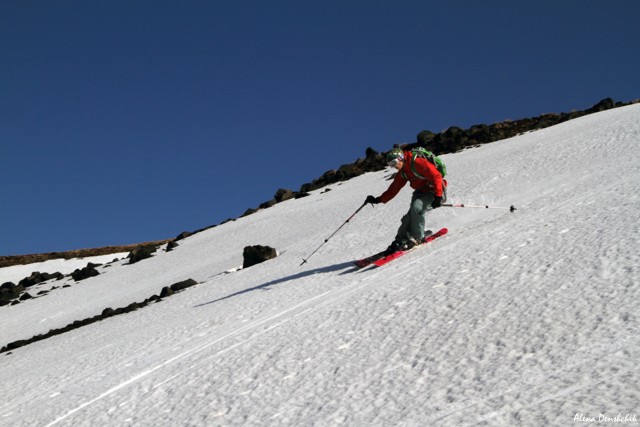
[528,318]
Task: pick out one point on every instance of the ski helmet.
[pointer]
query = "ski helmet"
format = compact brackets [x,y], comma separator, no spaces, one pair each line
[394,156]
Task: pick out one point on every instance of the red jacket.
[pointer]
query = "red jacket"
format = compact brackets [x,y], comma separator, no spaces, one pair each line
[432,182]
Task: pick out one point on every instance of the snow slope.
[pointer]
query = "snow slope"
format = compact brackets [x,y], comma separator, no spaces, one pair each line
[528,318]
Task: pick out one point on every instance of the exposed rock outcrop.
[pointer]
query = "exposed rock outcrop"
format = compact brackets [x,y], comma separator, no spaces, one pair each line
[256,254]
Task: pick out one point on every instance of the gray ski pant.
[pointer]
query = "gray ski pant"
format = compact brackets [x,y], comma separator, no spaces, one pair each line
[412,223]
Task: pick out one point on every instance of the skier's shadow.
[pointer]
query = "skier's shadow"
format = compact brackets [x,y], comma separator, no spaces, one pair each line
[297,276]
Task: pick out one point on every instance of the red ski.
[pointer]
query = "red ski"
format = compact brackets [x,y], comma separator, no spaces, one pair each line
[365,262]
[385,259]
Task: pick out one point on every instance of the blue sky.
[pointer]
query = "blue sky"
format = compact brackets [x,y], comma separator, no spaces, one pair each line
[130,121]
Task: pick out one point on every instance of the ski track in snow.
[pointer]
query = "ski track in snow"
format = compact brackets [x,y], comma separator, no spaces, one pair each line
[511,319]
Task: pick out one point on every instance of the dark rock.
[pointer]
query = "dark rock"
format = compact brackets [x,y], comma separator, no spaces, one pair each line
[605,104]
[346,172]
[141,252]
[37,277]
[267,204]
[85,273]
[9,291]
[152,298]
[132,307]
[425,137]
[371,154]
[166,292]
[172,245]
[183,285]
[184,235]
[256,254]
[248,212]
[283,194]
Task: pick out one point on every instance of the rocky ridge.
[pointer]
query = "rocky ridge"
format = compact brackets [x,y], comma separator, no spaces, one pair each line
[450,140]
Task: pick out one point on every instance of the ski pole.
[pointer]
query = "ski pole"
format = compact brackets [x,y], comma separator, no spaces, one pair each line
[334,233]
[462,205]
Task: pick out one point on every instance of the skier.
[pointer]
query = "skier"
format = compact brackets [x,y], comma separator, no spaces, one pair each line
[425,179]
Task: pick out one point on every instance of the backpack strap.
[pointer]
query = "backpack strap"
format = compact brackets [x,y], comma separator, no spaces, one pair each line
[412,165]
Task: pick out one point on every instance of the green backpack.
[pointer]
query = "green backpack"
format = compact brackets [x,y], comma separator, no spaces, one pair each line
[426,154]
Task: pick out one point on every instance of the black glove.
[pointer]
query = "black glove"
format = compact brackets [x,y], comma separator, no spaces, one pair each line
[437,202]
[372,200]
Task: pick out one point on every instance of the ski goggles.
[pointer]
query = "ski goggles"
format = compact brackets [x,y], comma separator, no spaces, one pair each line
[394,162]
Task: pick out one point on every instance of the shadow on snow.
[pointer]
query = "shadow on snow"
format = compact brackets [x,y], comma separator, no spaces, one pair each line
[297,276]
